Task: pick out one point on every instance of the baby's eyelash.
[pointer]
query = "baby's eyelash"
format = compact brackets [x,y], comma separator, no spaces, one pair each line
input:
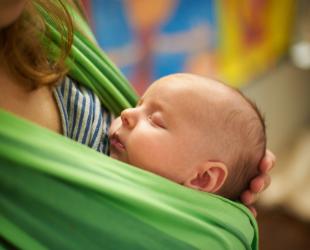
[154,122]
[149,117]
[139,102]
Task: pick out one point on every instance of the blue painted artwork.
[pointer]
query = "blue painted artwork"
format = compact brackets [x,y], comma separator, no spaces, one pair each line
[148,39]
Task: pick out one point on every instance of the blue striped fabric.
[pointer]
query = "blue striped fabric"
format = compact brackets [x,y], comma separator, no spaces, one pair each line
[83,117]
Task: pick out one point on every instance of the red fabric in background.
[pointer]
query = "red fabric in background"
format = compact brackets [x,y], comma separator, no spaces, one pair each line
[87,6]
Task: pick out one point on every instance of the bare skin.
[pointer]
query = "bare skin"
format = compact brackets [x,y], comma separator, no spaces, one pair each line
[38,105]
[259,183]
[164,110]
[10,10]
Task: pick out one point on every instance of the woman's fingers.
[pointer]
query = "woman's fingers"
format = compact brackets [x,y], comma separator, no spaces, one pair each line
[253,210]
[267,162]
[247,198]
[260,183]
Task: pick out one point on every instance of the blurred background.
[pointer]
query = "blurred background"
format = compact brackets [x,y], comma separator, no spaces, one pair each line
[259,46]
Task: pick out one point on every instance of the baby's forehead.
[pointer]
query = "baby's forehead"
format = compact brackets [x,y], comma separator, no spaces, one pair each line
[178,85]
[197,92]
[198,89]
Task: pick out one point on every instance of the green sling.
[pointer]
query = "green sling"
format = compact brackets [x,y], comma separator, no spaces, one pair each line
[58,194]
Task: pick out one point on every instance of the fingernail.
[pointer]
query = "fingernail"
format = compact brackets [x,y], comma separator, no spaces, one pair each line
[270,166]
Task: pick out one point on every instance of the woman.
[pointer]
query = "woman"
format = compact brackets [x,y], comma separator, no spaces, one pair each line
[34,87]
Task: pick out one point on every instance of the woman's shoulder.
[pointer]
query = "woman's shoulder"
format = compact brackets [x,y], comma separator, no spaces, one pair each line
[84,119]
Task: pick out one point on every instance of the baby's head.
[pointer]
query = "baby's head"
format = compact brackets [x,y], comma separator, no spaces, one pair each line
[195,131]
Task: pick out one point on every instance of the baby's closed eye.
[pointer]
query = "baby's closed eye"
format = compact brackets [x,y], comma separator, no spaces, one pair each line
[157,120]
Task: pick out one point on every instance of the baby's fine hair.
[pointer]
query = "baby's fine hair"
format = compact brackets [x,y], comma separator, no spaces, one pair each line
[249,153]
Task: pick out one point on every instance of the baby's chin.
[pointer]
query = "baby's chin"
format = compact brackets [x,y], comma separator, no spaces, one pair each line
[114,155]
[117,156]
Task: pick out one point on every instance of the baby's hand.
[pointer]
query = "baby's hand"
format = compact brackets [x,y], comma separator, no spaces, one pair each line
[260,182]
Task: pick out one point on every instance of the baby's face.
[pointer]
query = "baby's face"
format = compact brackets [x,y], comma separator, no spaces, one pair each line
[157,135]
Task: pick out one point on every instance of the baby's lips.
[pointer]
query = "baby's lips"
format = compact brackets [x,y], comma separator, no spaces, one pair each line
[116,142]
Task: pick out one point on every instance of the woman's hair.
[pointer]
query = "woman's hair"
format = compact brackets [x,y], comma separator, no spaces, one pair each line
[21,44]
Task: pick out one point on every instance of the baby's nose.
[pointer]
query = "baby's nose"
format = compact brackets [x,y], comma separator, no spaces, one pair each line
[129,117]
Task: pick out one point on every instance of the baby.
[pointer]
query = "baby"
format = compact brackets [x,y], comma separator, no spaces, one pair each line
[194,131]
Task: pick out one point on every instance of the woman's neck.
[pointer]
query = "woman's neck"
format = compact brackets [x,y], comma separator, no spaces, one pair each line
[36,105]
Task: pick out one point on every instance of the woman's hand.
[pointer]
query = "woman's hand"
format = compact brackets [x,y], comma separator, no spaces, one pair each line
[260,182]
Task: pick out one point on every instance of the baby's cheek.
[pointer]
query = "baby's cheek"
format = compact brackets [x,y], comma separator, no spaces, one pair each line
[116,124]
[145,151]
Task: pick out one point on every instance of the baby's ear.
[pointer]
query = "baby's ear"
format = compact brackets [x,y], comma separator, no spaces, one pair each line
[209,177]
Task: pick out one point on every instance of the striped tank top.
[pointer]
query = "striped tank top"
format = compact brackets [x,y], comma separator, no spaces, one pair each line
[83,117]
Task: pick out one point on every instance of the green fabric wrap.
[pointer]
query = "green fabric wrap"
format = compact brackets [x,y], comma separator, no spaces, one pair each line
[58,194]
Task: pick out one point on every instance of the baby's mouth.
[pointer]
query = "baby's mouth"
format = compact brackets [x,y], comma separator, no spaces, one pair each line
[116,142]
